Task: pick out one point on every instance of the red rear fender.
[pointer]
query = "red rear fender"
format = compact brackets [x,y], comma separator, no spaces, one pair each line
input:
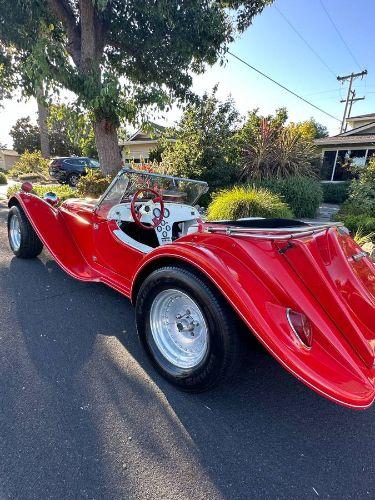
[258,283]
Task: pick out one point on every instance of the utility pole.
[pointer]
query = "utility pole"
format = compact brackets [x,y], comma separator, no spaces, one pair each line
[349,96]
[352,99]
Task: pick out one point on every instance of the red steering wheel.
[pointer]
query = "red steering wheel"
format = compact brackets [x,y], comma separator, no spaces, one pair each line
[136,212]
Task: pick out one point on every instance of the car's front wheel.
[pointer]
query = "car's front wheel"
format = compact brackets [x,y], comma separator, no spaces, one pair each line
[23,240]
[187,328]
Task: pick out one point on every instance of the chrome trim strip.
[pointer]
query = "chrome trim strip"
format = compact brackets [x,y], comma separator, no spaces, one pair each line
[269,233]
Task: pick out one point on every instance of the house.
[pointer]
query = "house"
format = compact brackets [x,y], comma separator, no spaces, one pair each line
[357,144]
[138,146]
[8,158]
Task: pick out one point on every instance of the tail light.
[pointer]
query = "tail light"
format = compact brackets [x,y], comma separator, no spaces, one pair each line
[300,326]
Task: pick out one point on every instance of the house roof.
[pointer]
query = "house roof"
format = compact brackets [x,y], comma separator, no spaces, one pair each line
[359,130]
[151,129]
[361,117]
[9,152]
[151,126]
[343,140]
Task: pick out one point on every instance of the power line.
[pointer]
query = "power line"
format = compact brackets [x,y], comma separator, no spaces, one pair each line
[322,92]
[282,86]
[305,41]
[340,35]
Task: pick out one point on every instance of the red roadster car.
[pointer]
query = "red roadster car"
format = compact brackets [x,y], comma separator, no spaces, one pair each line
[306,291]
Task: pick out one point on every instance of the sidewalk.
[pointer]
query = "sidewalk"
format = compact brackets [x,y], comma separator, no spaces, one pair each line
[327,211]
[4,189]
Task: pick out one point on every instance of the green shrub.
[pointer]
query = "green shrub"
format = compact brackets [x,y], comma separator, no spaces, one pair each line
[30,163]
[3,178]
[238,202]
[93,184]
[302,194]
[335,192]
[361,200]
[362,224]
[63,192]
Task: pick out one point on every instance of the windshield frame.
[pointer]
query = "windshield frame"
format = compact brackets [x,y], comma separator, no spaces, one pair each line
[172,178]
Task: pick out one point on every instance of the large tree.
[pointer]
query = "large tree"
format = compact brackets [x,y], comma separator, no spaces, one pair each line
[118,56]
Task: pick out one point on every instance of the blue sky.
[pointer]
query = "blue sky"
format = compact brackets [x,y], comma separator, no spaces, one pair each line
[273,47]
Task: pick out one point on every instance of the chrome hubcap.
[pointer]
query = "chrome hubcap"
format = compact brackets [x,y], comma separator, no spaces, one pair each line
[178,328]
[15,233]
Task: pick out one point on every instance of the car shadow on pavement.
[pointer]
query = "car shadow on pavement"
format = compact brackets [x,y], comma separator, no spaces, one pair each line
[93,404]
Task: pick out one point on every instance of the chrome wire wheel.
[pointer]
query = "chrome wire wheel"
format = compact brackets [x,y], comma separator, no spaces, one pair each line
[15,233]
[178,328]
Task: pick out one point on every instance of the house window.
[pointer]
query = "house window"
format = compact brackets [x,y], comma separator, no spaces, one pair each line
[358,157]
[327,165]
[341,171]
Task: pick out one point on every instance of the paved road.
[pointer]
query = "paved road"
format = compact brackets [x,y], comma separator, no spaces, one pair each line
[84,415]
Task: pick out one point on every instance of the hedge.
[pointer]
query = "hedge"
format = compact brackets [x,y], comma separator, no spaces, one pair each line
[240,202]
[93,184]
[335,192]
[302,194]
[358,223]
[3,178]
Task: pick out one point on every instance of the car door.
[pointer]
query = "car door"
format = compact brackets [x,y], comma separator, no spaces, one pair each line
[110,251]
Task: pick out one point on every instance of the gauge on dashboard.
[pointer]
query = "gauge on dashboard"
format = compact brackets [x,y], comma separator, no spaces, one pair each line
[166,213]
[157,212]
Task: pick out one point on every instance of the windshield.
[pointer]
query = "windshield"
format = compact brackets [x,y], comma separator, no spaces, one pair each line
[173,189]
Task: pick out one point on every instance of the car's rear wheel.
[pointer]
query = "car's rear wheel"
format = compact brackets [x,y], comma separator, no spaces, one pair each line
[73,180]
[23,240]
[187,328]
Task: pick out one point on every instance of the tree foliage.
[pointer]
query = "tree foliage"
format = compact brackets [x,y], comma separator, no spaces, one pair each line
[70,132]
[310,129]
[117,56]
[25,135]
[203,147]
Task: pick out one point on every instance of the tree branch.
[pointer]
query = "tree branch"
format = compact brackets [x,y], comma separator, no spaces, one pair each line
[64,13]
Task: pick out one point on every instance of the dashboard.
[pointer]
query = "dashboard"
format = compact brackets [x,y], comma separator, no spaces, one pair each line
[185,215]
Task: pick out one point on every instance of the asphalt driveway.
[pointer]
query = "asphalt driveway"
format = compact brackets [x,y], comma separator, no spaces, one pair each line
[84,415]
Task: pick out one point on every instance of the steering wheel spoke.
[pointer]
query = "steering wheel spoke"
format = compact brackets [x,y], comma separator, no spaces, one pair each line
[136,210]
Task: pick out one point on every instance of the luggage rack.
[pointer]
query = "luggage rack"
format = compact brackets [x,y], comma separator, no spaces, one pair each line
[273,233]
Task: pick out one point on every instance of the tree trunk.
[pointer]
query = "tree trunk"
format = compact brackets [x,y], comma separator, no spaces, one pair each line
[107,145]
[42,122]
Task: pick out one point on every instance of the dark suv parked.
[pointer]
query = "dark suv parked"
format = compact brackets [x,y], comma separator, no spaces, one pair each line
[69,170]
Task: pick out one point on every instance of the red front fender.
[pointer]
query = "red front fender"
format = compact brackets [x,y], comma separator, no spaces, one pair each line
[51,229]
[330,367]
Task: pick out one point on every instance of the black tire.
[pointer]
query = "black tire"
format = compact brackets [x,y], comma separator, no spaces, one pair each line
[30,245]
[73,179]
[223,352]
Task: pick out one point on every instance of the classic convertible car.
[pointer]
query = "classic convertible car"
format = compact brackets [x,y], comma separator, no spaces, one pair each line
[306,291]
